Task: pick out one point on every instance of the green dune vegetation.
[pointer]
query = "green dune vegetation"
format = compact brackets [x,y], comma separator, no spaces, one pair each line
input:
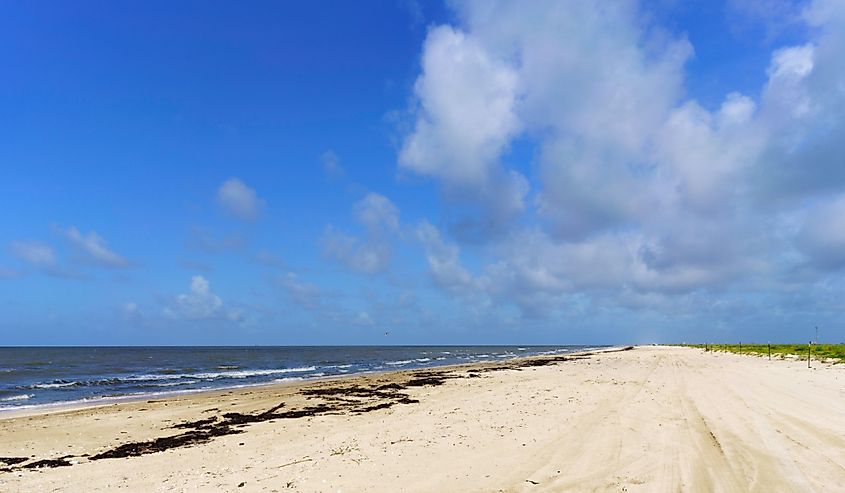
[824,352]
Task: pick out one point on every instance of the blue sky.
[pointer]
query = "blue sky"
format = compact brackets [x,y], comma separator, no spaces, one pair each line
[416,172]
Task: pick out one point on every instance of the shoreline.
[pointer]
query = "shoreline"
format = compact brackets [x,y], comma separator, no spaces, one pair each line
[640,419]
[378,390]
[27,410]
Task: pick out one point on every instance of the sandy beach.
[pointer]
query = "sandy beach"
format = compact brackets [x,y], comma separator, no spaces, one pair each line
[646,419]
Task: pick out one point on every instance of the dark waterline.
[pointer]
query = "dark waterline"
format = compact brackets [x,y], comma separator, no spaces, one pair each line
[46,375]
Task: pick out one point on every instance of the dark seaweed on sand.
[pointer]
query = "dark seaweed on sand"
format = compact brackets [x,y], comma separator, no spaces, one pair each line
[338,398]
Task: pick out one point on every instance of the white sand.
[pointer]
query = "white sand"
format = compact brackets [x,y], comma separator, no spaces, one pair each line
[650,419]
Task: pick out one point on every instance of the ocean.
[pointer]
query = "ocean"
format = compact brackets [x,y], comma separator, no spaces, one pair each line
[43,376]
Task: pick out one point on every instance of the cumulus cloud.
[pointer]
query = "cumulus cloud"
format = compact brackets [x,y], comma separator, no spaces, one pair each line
[239,200]
[200,303]
[370,253]
[94,248]
[596,86]
[803,111]
[642,194]
[704,155]
[465,120]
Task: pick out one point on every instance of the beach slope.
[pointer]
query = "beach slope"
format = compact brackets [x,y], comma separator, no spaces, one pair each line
[647,419]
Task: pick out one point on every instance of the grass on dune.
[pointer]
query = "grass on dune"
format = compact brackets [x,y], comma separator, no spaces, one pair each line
[818,351]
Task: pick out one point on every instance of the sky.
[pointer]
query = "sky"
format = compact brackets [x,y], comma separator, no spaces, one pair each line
[409,172]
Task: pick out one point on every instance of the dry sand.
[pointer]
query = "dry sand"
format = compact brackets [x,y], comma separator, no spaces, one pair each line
[649,419]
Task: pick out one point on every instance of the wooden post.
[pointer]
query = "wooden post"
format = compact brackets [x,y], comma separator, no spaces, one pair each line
[809,344]
[769,345]
[740,347]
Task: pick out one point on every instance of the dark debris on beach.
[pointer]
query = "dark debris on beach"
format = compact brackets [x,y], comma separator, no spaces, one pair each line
[338,397]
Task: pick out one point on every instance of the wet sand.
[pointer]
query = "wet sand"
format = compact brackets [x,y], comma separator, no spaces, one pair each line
[647,419]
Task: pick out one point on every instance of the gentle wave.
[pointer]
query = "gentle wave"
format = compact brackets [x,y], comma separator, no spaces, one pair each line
[399,363]
[170,375]
[21,397]
[109,398]
[189,377]
[54,385]
[250,373]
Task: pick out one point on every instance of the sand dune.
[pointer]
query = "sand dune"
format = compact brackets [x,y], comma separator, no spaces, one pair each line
[649,419]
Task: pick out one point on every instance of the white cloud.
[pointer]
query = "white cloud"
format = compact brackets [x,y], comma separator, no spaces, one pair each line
[794,62]
[35,253]
[376,212]
[43,258]
[94,247]
[464,122]
[239,200]
[466,110]
[703,156]
[444,261]
[359,255]
[200,303]
[596,87]
[643,195]
[371,253]
[773,15]
[825,13]
[803,110]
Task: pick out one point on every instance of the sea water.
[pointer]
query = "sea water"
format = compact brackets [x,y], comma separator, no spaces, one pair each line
[38,376]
